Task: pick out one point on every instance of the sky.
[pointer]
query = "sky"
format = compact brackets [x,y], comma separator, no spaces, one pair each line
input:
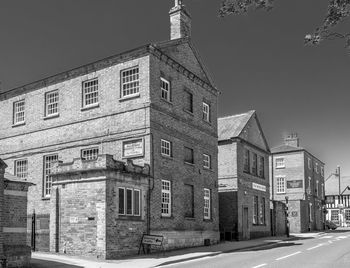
[258,61]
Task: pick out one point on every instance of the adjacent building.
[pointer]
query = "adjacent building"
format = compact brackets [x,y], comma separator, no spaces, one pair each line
[297,178]
[338,199]
[14,251]
[243,178]
[155,105]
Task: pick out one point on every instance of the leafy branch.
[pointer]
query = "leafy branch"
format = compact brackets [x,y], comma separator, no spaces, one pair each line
[337,12]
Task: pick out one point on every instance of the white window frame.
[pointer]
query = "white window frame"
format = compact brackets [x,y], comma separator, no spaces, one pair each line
[206,112]
[90,153]
[206,161]
[19,112]
[166,194]
[322,171]
[165,147]
[21,168]
[280,185]
[317,190]
[165,89]
[207,204]
[47,181]
[347,215]
[309,162]
[90,90]
[316,167]
[51,103]
[130,82]
[133,192]
[280,162]
[335,215]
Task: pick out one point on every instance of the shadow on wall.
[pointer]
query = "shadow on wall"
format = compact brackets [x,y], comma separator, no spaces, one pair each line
[36,263]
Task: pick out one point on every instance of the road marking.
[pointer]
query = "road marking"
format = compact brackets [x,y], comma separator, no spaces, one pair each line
[341,237]
[325,237]
[319,245]
[290,255]
[261,265]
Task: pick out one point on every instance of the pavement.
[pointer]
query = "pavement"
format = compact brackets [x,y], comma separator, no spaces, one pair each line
[45,260]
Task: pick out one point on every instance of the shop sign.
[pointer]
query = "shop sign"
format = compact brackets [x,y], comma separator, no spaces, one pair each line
[294,184]
[259,187]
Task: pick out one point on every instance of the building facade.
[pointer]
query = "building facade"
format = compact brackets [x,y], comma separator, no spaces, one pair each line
[154,105]
[243,178]
[14,251]
[297,179]
[338,209]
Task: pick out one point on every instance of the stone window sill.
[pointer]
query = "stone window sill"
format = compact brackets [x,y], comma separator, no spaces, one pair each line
[128,97]
[92,106]
[51,116]
[19,124]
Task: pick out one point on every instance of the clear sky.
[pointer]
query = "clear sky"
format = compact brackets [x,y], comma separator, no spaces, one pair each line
[258,61]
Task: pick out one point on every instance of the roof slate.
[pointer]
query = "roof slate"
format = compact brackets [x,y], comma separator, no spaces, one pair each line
[232,126]
[286,148]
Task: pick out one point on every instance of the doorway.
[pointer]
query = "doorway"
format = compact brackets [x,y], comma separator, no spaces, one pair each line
[245,224]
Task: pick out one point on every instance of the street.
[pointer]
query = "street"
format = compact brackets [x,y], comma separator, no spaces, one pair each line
[327,250]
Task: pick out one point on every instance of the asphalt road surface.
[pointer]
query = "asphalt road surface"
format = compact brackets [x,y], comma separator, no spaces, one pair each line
[324,251]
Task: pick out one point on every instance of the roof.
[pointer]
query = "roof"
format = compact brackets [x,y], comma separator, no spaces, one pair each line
[286,148]
[104,63]
[231,126]
[13,178]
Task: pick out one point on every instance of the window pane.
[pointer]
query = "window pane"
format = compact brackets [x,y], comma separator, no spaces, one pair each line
[49,161]
[129,201]
[130,81]
[165,89]
[165,147]
[188,101]
[207,204]
[21,169]
[121,201]
[18,112]
[166,198]
[136,202]
[90,92]
[188,201]
[189,155]
[52,103]
[89,154]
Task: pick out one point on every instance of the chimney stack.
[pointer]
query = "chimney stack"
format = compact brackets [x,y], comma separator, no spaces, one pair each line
[292,140]
[180,21]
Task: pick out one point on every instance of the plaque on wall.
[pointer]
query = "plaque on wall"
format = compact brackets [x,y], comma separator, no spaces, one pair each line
[133,148]
[294,184]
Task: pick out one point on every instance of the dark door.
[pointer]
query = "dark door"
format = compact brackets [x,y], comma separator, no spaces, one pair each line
[245,224]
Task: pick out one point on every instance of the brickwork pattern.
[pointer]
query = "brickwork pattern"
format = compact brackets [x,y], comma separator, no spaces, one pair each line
[117,119]
[297,168]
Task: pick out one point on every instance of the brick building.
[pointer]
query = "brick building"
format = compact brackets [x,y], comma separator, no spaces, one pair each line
[297,177]
[243,178]
[13,220]
[155,104]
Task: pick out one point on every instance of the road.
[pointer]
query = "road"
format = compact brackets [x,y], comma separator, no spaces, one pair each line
[324,251]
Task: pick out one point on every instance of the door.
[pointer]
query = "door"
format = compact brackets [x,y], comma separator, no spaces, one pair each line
[245,224]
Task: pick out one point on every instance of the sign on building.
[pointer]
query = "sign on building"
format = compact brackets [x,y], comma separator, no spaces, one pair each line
[294,184]
[227,185]
[133,148]
[259,187]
